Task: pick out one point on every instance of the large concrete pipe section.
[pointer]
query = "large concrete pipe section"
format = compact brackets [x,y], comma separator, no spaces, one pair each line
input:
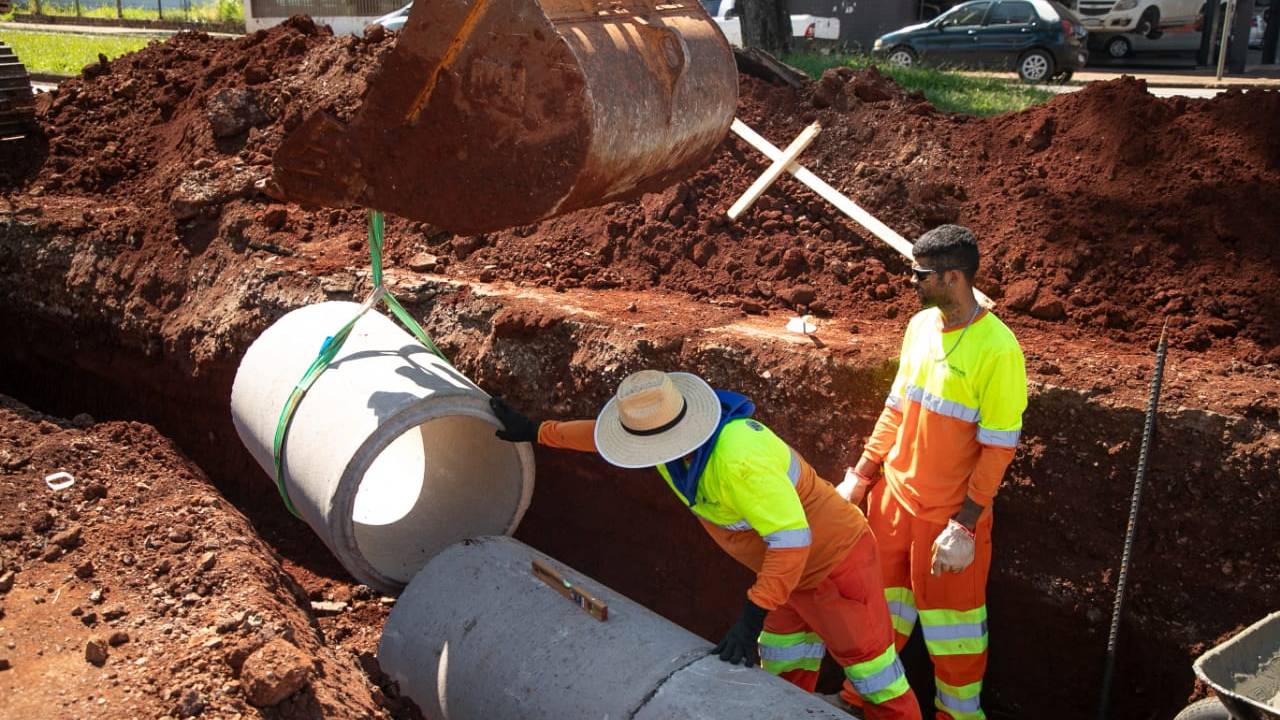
[477,635]
[390,457]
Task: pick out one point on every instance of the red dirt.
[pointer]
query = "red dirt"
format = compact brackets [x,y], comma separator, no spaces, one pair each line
[1102,212]
[143,556]
[143,241]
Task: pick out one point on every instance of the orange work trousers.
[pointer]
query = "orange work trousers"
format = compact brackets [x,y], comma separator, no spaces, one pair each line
[846,614]
[951,607]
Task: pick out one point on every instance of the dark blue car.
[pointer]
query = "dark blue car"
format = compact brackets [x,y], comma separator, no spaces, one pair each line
[1041,39]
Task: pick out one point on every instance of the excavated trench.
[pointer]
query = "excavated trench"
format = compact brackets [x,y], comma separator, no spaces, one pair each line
[1061,513]
[139,258]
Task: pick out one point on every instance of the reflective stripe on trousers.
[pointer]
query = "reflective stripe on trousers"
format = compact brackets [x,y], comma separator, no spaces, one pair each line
[960,702]
[955,632]
[879,680]
[792,651]
[902,609]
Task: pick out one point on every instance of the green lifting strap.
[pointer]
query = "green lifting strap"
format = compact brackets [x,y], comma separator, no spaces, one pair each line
[332,344]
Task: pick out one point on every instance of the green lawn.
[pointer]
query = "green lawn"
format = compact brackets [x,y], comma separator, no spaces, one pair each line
[67,53]
[948,91]
[208,11]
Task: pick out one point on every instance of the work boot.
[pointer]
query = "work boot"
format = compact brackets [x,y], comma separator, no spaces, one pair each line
[834,700]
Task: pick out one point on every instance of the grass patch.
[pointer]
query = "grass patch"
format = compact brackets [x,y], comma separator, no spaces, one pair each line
[948,91]
[67,53]
[222,11]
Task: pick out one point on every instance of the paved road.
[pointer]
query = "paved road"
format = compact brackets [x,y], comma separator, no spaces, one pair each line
[1260,76]
[1164,92]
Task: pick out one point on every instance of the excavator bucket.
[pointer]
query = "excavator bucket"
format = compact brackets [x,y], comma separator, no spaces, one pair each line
[493,113]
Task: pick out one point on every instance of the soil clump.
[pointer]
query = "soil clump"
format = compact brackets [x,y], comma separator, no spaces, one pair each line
[159,258]
[146,594]
[1101,212]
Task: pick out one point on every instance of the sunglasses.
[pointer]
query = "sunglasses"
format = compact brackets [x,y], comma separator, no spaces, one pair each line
[921,273]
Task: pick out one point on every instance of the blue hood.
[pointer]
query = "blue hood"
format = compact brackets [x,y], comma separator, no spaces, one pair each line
[733,406]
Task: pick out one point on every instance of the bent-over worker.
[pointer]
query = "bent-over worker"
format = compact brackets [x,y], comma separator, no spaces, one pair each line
[818,586]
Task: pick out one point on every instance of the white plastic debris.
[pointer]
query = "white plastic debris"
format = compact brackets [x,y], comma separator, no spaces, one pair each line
[802,325]
[59,481]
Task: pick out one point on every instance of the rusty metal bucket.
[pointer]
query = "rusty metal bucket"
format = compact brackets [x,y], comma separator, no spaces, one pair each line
[494,113]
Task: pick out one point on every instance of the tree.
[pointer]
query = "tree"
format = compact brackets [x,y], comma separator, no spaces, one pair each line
[766,24]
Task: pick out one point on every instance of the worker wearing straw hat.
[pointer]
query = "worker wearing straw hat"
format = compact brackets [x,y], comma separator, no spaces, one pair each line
[818,586]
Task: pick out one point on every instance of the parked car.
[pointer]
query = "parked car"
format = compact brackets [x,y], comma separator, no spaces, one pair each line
[1041,39]
[1258,25]
[727,14]
[1143,17]
[395,20]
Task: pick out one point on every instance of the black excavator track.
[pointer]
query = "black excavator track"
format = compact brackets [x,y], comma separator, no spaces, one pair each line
[17,101]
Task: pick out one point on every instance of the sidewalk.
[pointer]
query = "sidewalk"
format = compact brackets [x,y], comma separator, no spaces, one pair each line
[1265,77]
[1256,76]
[99,30]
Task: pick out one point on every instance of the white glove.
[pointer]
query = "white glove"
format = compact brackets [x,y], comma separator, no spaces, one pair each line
[953,549]
[854,488]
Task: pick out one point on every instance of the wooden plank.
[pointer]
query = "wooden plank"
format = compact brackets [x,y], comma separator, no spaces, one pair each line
[774,171]
[833,196]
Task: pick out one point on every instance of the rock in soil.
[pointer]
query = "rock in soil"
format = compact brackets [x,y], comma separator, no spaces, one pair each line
[274,672]
[147,636]
[95,651]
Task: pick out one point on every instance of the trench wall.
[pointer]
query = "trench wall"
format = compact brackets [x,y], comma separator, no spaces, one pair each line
[1206,558]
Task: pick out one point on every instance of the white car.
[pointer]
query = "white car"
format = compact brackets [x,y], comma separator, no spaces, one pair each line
[395,20]
[1144,17]
[728,16]
[1258,26]
[724,12]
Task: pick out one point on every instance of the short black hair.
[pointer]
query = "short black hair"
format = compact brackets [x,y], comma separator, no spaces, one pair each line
[951,247]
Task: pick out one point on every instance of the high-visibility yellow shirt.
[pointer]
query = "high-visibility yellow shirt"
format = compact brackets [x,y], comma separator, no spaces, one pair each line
[953,416]
[761,502]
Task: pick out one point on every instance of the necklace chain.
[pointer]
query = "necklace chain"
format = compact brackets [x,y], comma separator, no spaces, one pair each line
[972,317]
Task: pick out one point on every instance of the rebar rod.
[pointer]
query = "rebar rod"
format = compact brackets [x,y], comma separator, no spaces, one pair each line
[1148,430]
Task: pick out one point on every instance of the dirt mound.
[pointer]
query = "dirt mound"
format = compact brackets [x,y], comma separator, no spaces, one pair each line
[136,288]
[143,591]
[191,122]
[1123,209]
[1103,211]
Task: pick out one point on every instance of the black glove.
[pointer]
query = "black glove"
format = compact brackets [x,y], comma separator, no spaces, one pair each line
[740,645]
[518,427]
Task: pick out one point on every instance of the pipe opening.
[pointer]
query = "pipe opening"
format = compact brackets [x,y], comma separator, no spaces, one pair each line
[406,506]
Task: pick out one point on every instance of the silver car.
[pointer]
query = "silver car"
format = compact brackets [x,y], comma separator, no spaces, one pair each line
[395,20]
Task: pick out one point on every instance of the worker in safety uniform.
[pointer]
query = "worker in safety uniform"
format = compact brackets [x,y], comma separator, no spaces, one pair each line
[934,461]
[818,584]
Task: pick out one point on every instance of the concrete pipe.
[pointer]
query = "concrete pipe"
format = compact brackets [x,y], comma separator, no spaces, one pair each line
[477,635]
[391,456]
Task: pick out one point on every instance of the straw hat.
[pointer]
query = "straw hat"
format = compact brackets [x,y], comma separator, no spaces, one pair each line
[656,417]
